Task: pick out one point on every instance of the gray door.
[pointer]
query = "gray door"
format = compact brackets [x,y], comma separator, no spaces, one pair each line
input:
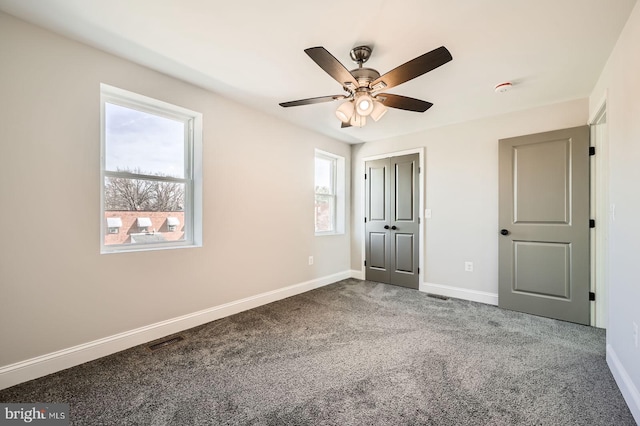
[391,220]
[544,224]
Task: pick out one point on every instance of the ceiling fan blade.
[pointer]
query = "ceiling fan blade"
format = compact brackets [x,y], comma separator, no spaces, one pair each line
[414,68]
[310,101]
[403,102]
[331,65]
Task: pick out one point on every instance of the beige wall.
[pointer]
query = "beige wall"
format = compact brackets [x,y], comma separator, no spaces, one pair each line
[620,84]
[461,189]
[55,295]
[56,290]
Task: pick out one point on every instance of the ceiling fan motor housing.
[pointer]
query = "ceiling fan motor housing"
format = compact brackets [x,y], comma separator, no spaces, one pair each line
[365,76]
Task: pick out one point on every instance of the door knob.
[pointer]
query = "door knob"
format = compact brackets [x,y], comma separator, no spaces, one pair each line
[504,232]
[386,227]
[394,227]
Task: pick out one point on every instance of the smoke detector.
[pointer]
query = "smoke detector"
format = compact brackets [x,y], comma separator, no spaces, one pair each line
[503,87]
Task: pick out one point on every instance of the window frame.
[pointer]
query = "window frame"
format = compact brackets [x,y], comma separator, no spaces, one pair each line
[338,179]
[192,167]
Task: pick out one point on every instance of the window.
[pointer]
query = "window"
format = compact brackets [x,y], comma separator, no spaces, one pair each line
[114,224]
[172,223]
[144,223]
[329,193]
[150,173]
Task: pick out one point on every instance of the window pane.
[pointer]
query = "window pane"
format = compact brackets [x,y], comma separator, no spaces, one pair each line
[324,213]
[324,175]
[138,211]
[144,143]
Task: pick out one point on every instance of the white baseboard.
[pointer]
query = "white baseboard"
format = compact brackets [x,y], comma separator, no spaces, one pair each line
[629,391]
[460,293]
[359,275]
[33,368]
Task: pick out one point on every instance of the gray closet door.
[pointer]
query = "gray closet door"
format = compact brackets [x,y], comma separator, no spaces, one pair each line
[391,220]
[544,224]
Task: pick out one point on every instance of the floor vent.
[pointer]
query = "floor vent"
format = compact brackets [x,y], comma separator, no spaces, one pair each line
[437,296]
[165,343]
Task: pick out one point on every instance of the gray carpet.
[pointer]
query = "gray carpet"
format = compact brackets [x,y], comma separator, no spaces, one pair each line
[352,353]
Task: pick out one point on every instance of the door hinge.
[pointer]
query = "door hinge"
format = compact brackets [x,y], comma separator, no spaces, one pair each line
[418,221]
[418,270]
[365,220]
[592,223]
[365,176]
[592,296]
[365,263]
[592,150]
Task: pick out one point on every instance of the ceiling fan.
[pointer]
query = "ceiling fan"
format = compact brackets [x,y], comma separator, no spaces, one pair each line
[363,85]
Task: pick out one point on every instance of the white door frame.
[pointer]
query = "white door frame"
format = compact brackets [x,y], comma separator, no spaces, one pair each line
[599,211]
[422,174]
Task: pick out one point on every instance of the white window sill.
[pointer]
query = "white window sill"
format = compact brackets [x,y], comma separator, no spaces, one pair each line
[327,234]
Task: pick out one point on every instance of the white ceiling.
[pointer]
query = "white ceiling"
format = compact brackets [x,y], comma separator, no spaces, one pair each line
[252,50]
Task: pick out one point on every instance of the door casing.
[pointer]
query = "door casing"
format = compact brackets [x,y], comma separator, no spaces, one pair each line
[420,152]
[600,212]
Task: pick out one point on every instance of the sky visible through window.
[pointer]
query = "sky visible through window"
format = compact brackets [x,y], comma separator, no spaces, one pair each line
[139,141]
[323,174]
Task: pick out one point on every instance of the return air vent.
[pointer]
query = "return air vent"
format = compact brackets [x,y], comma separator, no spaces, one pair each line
[437,296]
[165,343]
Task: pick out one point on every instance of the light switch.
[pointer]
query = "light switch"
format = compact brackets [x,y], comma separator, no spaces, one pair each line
[427,214]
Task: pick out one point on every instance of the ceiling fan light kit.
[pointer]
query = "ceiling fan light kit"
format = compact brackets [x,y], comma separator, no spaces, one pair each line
[373,108]
[378,110]
[363,85]
[364,104]
[358,120]
[345,111]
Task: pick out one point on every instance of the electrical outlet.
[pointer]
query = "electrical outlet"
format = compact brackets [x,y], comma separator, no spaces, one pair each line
[468,266]
[635,333]
[310,260]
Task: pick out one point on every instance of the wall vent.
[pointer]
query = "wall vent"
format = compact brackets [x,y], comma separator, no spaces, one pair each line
[437,296]
[165,343]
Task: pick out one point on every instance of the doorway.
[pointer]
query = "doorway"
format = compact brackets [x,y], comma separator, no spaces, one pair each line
[392,225]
